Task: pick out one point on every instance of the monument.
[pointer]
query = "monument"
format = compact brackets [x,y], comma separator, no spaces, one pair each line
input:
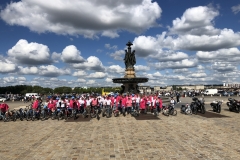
[130,81]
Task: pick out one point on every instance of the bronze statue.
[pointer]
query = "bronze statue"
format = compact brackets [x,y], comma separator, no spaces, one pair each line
[129,58]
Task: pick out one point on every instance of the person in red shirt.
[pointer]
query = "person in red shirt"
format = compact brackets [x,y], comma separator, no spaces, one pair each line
[3,109]
[52,105]
[35,106]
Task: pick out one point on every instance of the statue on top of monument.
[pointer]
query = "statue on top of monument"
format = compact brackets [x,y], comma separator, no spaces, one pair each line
[129,58]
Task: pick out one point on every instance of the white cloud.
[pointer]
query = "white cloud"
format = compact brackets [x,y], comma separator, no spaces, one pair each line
[81,80]
[79,73]
[198,75]
[91,82]
[30,53]
[97,75]
[183,70]
[71,54]
[168,55]
[108,80]
[186,63]
[196,21]
[28,70]
[118,55]
[108,46]
[223,67]
[115,69]
[236,9]
[53,71]
[111,34]
[87,18]
[7,66]
[231,54]
[141,68]
[92,63]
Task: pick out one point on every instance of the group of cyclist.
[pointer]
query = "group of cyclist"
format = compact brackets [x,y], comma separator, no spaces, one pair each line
[126,102]
[85,103]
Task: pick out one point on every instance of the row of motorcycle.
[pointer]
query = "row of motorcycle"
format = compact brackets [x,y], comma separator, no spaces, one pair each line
[198,106]
[233,105]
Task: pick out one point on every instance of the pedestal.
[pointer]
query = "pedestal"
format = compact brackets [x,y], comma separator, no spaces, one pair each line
[130,73]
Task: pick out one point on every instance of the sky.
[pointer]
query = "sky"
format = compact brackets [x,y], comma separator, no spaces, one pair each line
[81,43]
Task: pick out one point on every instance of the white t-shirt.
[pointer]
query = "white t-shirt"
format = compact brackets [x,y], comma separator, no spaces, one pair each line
[81,101]
[108,101]
[88,101]
[137,99]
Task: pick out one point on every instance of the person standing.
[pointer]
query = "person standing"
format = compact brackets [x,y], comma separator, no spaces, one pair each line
[178,97]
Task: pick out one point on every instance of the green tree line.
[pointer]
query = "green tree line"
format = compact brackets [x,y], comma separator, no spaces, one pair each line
[23,89]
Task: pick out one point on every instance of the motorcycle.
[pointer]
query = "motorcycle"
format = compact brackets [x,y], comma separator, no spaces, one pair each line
[169,110]
[233,105]
[94,112]
[198,105]
[186,109]
[216,105]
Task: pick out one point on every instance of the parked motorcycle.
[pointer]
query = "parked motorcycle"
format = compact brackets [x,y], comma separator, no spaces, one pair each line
[233,105]
[216,105]
[169,110]
[186,109]
[198,105]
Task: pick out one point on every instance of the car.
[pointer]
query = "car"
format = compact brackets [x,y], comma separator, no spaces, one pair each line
[2,99]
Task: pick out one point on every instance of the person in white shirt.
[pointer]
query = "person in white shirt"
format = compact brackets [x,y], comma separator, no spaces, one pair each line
[82,103]
[88,105]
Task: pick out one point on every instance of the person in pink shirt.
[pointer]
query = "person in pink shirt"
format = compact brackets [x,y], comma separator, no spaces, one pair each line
[143,102]
[35,106]
[129,104]
[124,100]
[52,105]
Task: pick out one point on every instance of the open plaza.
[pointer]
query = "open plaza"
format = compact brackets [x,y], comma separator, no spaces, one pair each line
[202,136]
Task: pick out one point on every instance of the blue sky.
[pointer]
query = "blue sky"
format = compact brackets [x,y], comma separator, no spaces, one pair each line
[81,43]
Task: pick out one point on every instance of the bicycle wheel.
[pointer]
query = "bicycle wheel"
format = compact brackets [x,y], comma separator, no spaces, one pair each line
[93,114]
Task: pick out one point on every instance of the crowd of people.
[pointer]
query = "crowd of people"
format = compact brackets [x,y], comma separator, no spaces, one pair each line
[142,103]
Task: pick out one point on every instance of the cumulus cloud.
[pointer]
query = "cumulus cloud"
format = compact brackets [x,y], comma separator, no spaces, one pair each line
[71,54]
[79,73]
[168,55]
[52,71]
[223,67]
[80,17]
[7,66]
[81,80]
[91,82]
[30,53]
[92,63]
[236,9]
[118,55]
[196,21]
[141,68]
[28,70]
[186,63]
[97,75]
[115,69]
[231,54]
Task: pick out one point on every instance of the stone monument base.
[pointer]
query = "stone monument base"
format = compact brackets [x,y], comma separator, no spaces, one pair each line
[130,73]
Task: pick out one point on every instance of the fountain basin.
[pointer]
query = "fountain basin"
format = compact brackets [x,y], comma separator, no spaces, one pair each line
[130,80]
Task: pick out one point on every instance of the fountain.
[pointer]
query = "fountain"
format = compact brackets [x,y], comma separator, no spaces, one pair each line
[130,81]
